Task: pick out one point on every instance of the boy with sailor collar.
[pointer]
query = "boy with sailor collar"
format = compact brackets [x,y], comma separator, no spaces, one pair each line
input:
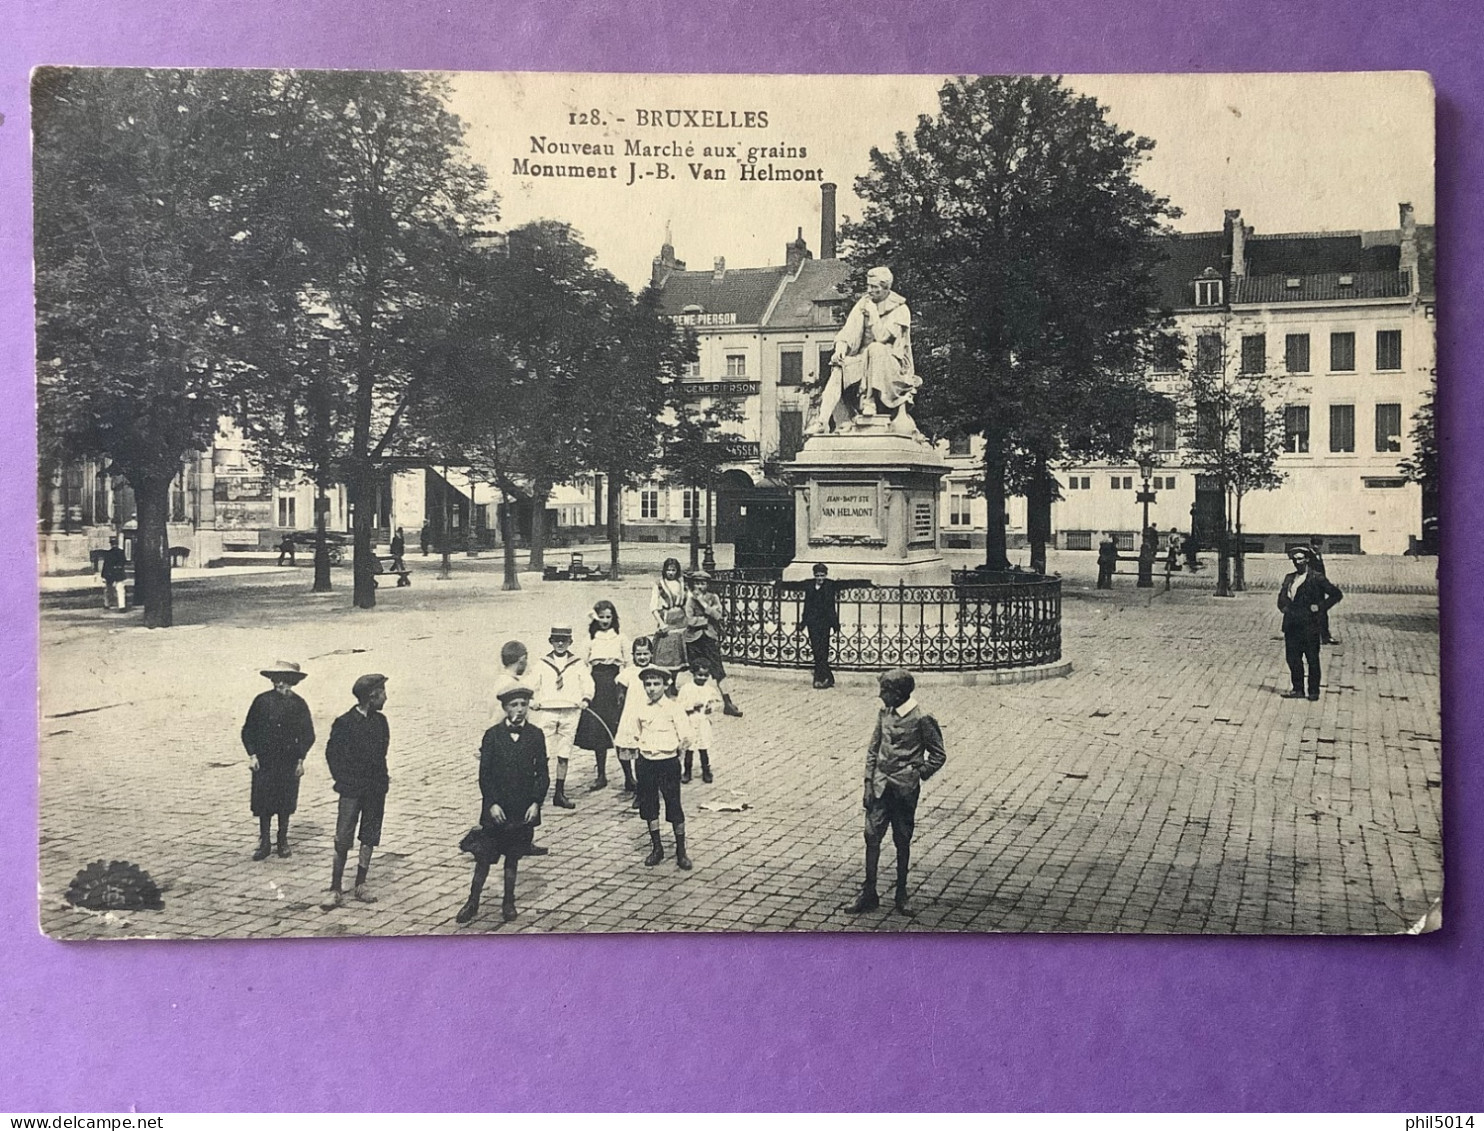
[562,687]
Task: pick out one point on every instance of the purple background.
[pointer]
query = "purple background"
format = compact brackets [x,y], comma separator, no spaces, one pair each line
[687,1022]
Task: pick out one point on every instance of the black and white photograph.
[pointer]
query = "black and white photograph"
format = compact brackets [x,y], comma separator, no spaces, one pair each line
[504,503]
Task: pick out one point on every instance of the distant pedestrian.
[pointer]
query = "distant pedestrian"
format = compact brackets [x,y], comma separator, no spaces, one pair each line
[356,753]
[277,735]
[1192,543]
[699,699]
[286,549]
[661,733]
[399,551]
[703,620]
[1305,595]
[1107,561]
[821,617]
[512,786]
[115,570]
[425,539]
[562,689]
[607,653]
[1316,564]
[906,749]
[1172,552]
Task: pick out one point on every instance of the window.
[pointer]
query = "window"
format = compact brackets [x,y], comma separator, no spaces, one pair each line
[286,517]
[1388,349]
[691,370]
[1208,292]
[1296,353]
[1079,483]
[1121,482]
[1167,354]
[1251,424]
[689,503]
[1208,353]
[1342,427]
[1208,427]
[1078,539]
[649,503]
[791,367]
[736,365]
[1296,428]
[1162,431]
[958,445]
[1254,353]
[958,509]
[1165,484]
[177,498]
[825,354]
[1342,353]
[1388,427]
[790,433]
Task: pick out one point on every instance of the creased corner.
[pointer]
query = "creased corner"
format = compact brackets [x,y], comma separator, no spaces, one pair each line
[1432,921]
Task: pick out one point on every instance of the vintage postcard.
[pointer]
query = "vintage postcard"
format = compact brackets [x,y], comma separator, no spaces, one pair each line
[500,503]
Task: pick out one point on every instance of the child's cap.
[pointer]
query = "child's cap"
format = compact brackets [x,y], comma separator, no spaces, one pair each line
[561,632]
[658,673]
[514,694]
[511,652]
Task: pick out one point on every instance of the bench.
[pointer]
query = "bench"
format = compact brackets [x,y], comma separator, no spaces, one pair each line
[403,576]
[178,556]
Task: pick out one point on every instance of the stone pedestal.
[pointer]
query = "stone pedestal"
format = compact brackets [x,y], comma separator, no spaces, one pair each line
[867,507]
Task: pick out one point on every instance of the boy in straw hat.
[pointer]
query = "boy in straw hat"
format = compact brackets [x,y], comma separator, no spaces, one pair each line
[356,753]
[277,736]
[561,687]
[512,785]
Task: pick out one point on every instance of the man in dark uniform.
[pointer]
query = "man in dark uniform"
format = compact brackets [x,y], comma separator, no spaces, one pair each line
[513,780]
[906,749]
[1304,597]
[356,753]
[1107,561]
[821,616]
[277,735]
[115,573]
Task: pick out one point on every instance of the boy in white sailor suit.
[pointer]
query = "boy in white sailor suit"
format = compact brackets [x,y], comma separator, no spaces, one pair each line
[562,687]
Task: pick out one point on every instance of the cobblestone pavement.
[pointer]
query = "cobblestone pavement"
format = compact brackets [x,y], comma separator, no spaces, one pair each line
[1163,786]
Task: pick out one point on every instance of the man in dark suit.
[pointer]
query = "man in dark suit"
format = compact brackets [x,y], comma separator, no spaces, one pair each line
[513,779]
[821,616]
[1305,596]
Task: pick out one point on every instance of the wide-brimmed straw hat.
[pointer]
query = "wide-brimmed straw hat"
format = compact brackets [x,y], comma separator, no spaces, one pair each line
[284,669]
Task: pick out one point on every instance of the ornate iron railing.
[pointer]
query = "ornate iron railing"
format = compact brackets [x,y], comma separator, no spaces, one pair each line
[990,622]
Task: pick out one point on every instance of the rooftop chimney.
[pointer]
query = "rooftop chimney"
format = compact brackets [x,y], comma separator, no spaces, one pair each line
[719,270]
[795,254]
[1237,235]
[1408,261]
[827,221]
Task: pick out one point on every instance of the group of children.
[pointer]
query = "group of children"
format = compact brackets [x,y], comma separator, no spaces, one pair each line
[617,699]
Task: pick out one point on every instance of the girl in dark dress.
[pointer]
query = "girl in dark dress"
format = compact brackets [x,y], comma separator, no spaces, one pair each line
[607,652]
[277,735]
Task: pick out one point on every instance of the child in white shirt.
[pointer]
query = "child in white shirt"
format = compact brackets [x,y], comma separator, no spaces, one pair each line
[698,699]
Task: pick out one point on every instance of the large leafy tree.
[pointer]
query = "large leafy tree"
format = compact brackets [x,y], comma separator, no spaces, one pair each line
[141,275]
[1018,233]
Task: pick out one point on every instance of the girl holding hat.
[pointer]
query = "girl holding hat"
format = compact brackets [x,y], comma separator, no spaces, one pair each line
[277,735]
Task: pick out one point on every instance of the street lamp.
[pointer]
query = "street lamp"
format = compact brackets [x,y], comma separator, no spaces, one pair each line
[711,424]
[1147,546]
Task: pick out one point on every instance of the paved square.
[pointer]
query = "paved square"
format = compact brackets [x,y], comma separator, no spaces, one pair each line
[1163,786]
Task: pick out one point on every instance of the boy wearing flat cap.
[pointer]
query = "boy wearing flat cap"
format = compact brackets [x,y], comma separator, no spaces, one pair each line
[660,731]
[277,736]
[512,786]
[356,753]
[561,687]
[906,749]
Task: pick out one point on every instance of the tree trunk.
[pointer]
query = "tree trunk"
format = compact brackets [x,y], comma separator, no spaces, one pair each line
[152,551]
[1239,555]
[540,492]
[615,525]
[321,544]
[1038,514]
[1223,550]
[995,556]
[507,536]
[445,566]
[361,497]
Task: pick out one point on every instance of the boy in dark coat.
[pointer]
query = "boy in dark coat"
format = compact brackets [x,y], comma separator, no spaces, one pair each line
[277,736]
[906,749]
[513,781]
[1304,598]
[821,616]
[356,753]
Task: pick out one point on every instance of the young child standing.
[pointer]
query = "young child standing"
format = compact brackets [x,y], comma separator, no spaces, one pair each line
[562,688]
[698,699]
[512,786]
[630,697]
[607,653]
[661,733]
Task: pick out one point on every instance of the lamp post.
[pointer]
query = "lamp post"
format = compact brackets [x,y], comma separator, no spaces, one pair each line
[711,424]
[1147,545]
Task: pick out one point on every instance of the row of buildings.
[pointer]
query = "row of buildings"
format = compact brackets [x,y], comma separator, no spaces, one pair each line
[1344,320]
